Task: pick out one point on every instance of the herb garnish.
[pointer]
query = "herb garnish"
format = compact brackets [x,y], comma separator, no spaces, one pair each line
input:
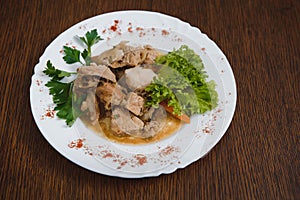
[89,40]
[62,92]
[73,55]
[56,74]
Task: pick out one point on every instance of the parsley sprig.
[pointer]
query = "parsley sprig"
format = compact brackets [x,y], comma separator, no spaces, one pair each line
[89,40]
[72,55]
[56,74]
[62,92]
[62,97]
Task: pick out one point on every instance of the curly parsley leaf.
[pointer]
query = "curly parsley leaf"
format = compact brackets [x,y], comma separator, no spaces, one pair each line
[71,55]
[56,74]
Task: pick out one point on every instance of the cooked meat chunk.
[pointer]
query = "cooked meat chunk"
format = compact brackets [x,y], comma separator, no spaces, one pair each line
[90,104]
[138,77]
[157,122]
[85,81]
[88,78]
[98,71]
[147,115]
[150,55]
[118,95]
[135,103]
[104,92]
[151,129]
[110,94]
[124,55]
[112,55]
[133,58]
[123,122]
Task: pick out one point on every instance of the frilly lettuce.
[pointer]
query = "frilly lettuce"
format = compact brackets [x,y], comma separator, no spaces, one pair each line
[182,83]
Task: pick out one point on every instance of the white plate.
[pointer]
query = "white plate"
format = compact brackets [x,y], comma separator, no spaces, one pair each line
[96,153]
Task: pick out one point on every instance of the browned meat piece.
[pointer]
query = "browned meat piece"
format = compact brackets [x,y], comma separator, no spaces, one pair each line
[151,129]
[110,94]
[133,58]
[85,85]
[150,55]
[135,103]
[147,114]
[119,72]
[85,82]
[122,122]
[98,71]
[104,92]
[138,77]
[124,55]
[112,55]
[118,95]
[125,123]
[91,105]
[157,122]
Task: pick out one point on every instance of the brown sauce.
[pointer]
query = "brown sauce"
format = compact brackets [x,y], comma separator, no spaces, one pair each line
[172,125]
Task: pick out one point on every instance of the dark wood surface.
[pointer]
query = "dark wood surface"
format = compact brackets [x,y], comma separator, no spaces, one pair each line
[258,158]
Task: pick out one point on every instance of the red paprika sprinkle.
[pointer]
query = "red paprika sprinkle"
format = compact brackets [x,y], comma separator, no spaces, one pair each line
[141,159]
[113,28]
[76,144]
[164,32]
[206,130]
[108,155]
[139,29]
[49,113]
[167,151]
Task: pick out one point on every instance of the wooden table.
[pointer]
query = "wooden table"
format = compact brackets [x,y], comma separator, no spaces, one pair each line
[258,158]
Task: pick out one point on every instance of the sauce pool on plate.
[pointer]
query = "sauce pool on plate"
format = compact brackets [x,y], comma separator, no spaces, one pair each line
[103,129]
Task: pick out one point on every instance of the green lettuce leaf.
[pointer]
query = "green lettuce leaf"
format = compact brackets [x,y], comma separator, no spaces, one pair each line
[182,83]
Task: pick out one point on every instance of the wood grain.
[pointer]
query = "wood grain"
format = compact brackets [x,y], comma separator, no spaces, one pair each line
[258,158]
